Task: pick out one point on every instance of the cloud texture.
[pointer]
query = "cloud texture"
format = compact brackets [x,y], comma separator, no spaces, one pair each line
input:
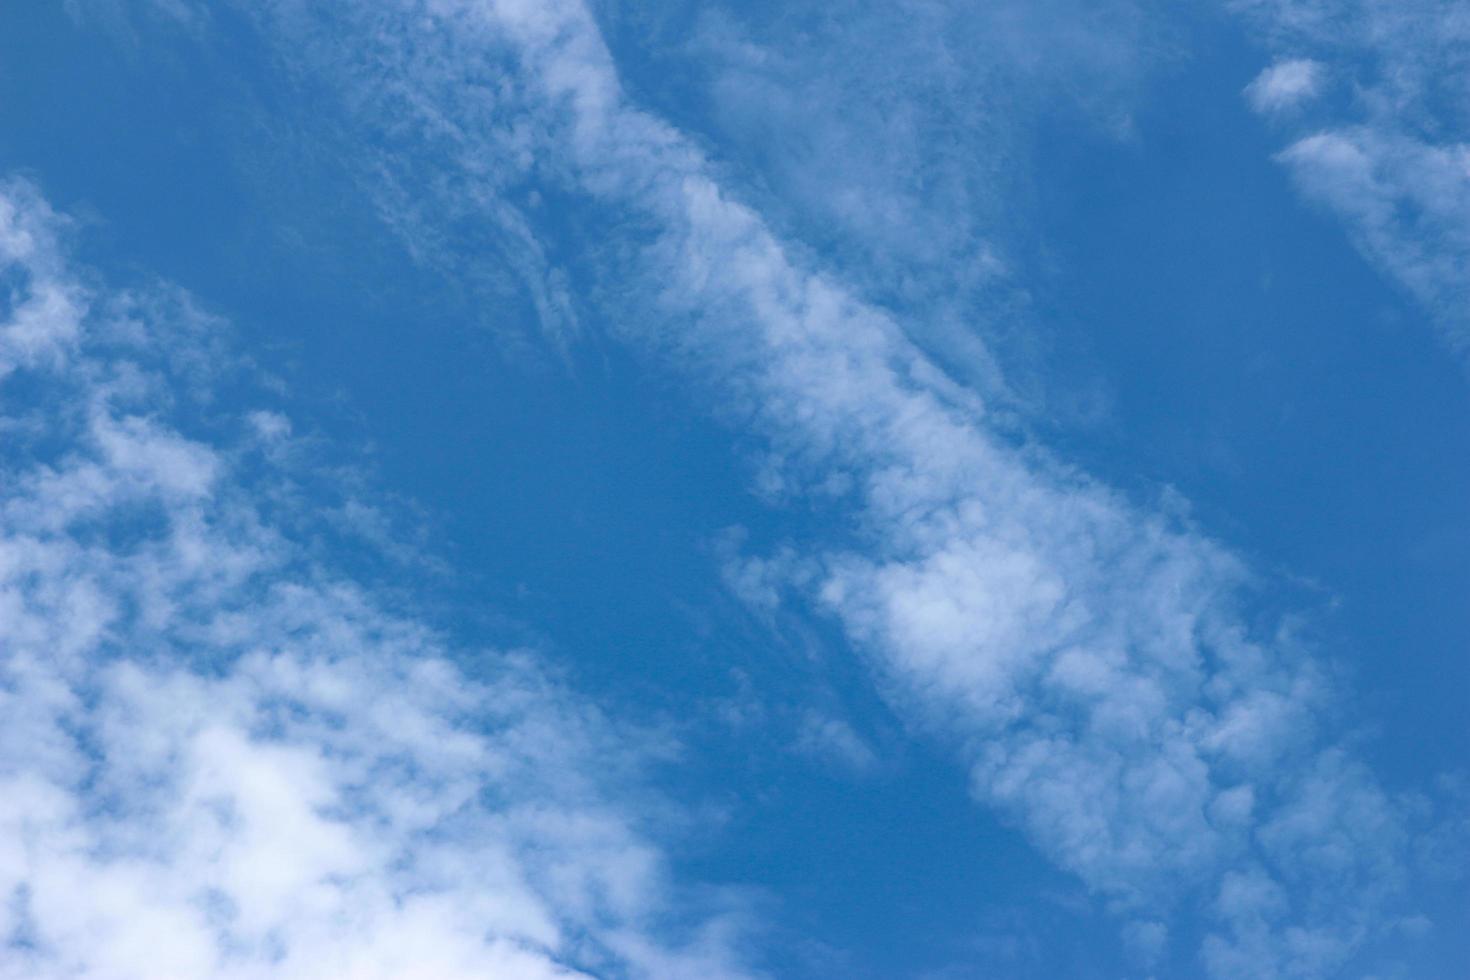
[1100,668]
[1089,659]
[1390,154]
[222,756]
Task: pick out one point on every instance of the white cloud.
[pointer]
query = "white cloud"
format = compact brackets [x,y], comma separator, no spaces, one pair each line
[895,137]
[1392,163]
[1086,658]
[1406,203]
[831,740]
[41,309]
[219,759]
[1285,85]
[1087,655]
[270,427]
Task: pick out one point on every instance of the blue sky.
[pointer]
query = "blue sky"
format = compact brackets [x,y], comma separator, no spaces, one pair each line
[734,490]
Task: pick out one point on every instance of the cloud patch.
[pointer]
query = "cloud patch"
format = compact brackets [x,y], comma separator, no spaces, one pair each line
[1285,85]
[223,757]
[1391,163]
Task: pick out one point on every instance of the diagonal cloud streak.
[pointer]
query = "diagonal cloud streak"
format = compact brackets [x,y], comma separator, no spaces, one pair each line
[1095,663]
[1091,661]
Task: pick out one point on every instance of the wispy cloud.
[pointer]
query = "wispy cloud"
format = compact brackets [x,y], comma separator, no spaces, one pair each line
[1089,659]
[223,757]
[830,740]
[901,144]
[1391,157]
[1285,85]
